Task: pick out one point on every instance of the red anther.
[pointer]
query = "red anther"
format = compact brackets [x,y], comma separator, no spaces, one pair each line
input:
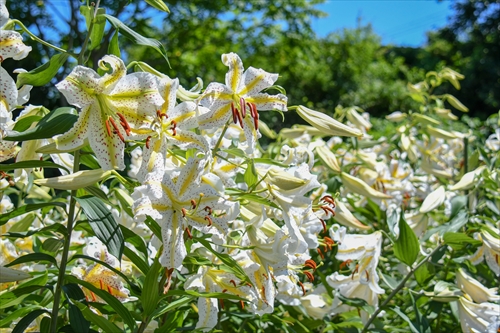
[189,233]
[320,253]
[272,277]
[265,276]
[208,209]
[224,290]
[264,295]
[242,305]
[235,112]
[234,283]
[329,199]
[256,120]
[309,275]
[117,130]
[324,224]
[101,284]
[311,263]
[354,271]
[2,174]
[107,127]
[174,128]
[1,59]
[147,141]
[86,298]
[93,296]
[110,290]
[193,203]
[207,218]
[327,210]
[496,258]
[158,113]
[303,288]
[184,211]
[221,302]
[243,108]
[124,121]
[240,119]
[367,275]
[345,264]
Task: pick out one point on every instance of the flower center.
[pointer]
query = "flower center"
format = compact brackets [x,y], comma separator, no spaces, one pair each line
[241,113]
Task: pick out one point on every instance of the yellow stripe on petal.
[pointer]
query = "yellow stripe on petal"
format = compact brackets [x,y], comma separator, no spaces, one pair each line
[252,84]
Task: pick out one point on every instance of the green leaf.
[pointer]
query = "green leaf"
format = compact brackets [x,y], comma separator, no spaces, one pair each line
[58,121]
[150,292]
[458,241]
[406,247]
[250,175]
[52,245]
[100,321]
[173,322]
[31,164]
[236,152]
[158,4]
[153,226]
[137,260]
[99,24]
[424,273]
[24,123]
[76,319]
[42,75]
[17,314]
[135,37]
[172,306]
[33,257]
[97,192]
[23,324]
[405,318]
[112,301]
[103,224]
[457,203]
[114,47]
[23,224]
[452,226]
[228,261]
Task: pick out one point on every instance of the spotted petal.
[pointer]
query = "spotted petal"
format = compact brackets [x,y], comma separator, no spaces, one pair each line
[12,46]
[235,72]
[174,250]
[265,102]
[255,80]
[80,87]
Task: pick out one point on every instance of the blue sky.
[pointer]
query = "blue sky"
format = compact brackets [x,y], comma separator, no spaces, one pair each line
[399,22]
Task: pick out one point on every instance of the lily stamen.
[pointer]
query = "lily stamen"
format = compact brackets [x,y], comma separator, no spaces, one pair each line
[207,218]
[108,128]
[310,263]
[235,112]
[243,107]
[208,209]
[309,275]
[324,224]
[117,130]
[193,203]
[303,288]
[189,233]
[147,141]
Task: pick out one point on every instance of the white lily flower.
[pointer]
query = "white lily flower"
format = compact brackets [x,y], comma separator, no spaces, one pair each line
[365,249]
[489,250]
[130,101]
[11,42]
[181,201]
[478,318]
[475,289]
[240,98]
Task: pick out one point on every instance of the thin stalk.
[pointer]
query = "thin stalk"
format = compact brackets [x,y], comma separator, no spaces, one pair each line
[41,41]
[71,213]
[398,288]
[64,258]
[216,148]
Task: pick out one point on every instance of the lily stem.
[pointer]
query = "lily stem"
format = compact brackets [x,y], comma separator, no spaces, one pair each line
[64,258]
[41,41]
[398,288]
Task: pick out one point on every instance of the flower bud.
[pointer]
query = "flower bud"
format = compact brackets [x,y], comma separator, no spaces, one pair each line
[345,217]
[326,124]
[354,117]
[11,275]
[456,103]
[75,180]
[475,289]
[439,133]
[328,158]
[358,186]
[433,200]
[283,179]
[468,180]
[396,116]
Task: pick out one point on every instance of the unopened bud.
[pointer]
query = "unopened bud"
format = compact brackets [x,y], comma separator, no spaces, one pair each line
[326,124]
[284,180]
[358,186]
[75,180]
